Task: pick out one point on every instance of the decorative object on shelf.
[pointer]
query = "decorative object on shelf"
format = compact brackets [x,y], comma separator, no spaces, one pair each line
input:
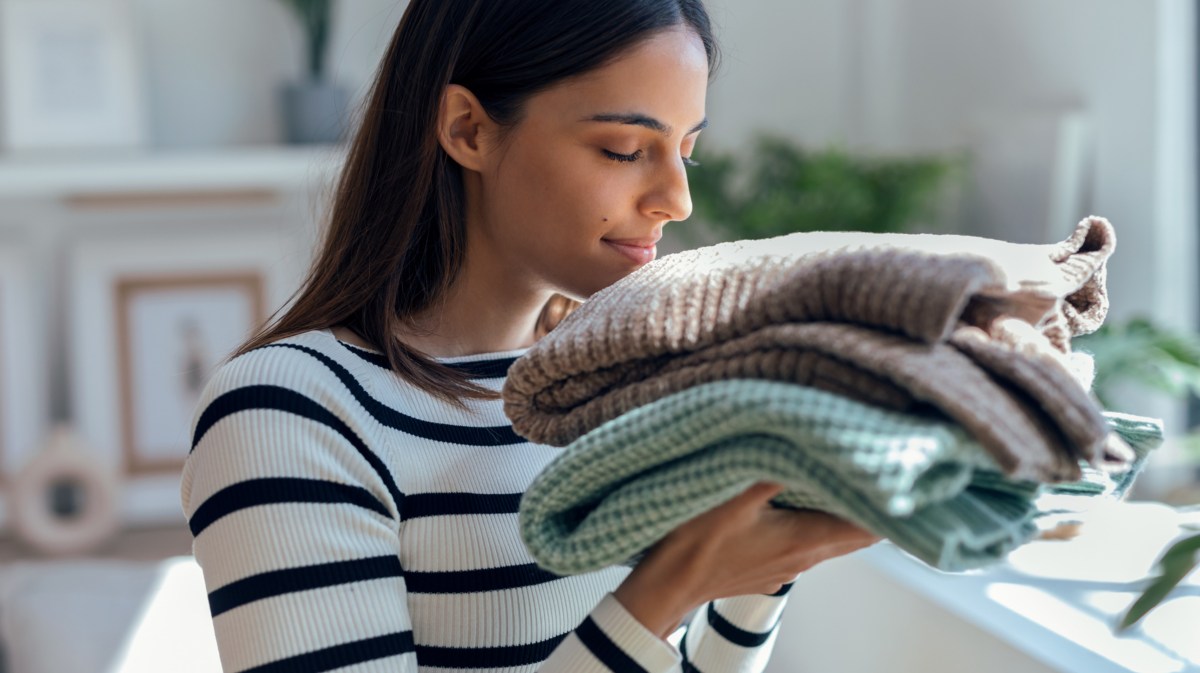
[1163,360]
[172,331]
[70,76]
[782,188]
[314,108]
[149,319]
[64,502]
[23,412]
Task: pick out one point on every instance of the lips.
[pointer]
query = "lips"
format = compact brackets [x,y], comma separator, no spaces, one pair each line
[639,251]
[635,242]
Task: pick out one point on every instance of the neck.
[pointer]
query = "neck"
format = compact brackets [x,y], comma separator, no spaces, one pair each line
[487,309]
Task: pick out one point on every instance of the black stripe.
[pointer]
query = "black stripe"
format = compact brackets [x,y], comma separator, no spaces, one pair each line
[609,654]
[487,657]
[479,369]
[340,656]
[291,580]
[735,634]
[484,369]
[688,666]
[251,397]
[377,359]
[441,504]
[471,581]
[282,399]
[496,435]
[276,490]
[782,590]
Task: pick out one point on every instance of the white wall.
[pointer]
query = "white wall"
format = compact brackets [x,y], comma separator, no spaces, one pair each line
[213,67]
[788,67]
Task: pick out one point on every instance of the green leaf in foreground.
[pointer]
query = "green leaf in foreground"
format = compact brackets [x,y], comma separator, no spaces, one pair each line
[1179,561]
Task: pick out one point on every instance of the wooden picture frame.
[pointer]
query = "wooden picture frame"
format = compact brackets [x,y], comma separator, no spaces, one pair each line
[124,289]
[211,315]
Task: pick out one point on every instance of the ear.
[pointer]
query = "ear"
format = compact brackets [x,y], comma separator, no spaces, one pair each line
[464,129]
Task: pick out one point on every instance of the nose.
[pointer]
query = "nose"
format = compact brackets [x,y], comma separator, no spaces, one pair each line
[670,198]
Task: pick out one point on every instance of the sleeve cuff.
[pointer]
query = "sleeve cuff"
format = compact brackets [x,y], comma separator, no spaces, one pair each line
[751,613]
[612,640]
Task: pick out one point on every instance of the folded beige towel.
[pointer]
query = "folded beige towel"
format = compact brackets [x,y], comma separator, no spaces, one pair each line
[976,328]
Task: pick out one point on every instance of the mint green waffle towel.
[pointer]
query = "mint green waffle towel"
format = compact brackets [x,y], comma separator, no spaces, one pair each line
[921,482]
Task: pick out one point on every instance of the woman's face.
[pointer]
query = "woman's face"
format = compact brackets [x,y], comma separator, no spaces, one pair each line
[595,169]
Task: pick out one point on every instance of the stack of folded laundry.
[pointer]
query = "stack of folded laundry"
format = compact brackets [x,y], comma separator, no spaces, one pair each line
[921,386]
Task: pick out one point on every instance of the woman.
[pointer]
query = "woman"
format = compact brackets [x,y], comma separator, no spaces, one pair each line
[353,484]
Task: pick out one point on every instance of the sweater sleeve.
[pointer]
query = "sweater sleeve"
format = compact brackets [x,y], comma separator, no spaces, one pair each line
[733,635]
[295,524]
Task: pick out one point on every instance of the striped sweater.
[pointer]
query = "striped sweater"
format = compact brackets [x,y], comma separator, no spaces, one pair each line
[345,519]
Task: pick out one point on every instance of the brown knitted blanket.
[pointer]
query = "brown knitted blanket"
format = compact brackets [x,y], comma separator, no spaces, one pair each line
[976,329]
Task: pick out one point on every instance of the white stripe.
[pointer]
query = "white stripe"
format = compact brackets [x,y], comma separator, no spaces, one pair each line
[284,626]
[518,616]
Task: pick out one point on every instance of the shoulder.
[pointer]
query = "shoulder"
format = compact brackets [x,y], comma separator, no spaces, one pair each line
[308,363]
[309,374]
[290,409]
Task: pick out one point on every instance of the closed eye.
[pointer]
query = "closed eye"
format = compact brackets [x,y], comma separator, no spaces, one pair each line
[627,158]
[623,158]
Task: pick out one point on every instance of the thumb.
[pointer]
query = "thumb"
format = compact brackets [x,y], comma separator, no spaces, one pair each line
[761,492]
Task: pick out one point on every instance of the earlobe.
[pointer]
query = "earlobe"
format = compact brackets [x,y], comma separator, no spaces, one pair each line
[461,125]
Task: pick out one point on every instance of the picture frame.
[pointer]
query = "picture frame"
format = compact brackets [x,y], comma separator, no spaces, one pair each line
[23,405]
[70,76]
[162,374]
[137,309]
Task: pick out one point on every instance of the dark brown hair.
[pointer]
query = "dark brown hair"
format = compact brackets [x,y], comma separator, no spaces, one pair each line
[395,237]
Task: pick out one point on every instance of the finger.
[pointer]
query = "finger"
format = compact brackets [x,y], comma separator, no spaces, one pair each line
[762,492]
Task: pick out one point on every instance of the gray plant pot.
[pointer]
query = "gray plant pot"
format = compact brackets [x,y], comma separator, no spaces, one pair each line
[314,112]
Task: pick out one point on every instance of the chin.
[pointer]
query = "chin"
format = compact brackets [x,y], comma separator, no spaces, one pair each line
[580,289]
[579,279]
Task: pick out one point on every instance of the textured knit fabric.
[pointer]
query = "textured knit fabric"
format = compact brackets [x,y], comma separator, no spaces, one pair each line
[347,520]
[921,482]
[978,328]
[1068,502]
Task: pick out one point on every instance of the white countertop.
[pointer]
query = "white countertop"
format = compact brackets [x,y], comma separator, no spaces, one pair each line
[1059,601]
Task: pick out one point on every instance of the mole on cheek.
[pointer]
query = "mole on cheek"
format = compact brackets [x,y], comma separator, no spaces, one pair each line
[605,219]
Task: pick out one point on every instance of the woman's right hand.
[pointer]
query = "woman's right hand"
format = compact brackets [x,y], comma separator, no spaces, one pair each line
[744,546]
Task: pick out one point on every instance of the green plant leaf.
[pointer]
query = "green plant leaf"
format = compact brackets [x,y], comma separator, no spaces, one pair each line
[1175,565]
[1140,352]
[782,188]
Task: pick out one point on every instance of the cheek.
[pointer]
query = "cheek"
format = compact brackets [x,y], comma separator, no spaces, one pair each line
[569,200]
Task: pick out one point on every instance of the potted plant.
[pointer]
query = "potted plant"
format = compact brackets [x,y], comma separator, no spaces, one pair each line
[780,188]
[314,109]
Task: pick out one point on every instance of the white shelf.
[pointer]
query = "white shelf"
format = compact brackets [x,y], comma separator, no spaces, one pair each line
[62,175]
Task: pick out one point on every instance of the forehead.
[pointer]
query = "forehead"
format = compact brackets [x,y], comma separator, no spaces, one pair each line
[665,77]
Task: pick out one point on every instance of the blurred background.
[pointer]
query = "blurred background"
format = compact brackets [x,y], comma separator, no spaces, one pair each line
[165,165]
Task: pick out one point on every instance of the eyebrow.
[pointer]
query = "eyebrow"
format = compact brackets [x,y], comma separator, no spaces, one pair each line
[641,120]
